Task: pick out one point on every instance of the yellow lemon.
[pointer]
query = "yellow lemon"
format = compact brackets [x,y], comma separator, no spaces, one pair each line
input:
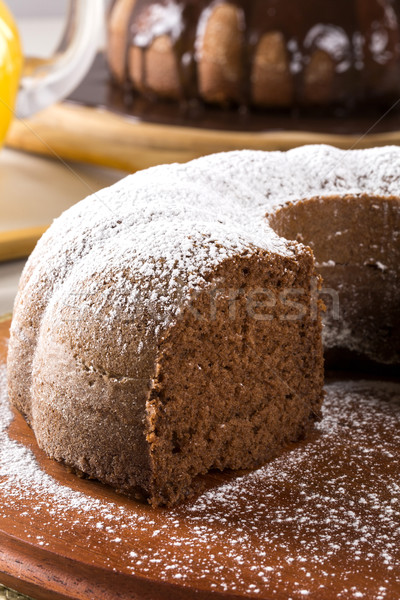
[11,61]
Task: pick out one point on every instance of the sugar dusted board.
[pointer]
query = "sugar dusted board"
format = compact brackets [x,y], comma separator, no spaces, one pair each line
[320,522]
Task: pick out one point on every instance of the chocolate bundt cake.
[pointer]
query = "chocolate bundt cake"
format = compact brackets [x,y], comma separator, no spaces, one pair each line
[170,324]
[274,53]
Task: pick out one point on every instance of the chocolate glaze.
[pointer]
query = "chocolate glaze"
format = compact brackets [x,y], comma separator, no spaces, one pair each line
[98,90]
[361,37]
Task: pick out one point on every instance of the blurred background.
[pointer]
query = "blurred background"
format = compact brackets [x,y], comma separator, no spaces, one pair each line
[40,24]
[44,8]
[101,130]
[35,189]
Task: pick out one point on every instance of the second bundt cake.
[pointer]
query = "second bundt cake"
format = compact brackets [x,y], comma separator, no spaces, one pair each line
[268,53]
[170,324]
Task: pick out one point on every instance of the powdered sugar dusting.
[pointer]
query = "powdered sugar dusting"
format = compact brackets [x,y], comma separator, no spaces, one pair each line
[151,239]
[321,521]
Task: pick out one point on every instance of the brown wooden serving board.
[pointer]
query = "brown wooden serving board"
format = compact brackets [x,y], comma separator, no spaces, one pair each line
[100,125]
[319,522]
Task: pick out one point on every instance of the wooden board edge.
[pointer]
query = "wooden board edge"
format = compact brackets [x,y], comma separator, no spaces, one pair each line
[48,576]
[120,142]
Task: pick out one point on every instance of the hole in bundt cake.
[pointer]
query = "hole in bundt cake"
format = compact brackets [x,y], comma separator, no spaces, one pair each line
[357,249]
